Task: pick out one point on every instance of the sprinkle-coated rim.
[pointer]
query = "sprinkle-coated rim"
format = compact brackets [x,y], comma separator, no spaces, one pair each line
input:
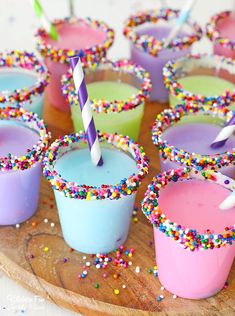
[74,190]
[26,61]
[214,34]
[33,155]
[150,44]
[187,238]
[169,117]
[117,106]
[63,55]
[173,70]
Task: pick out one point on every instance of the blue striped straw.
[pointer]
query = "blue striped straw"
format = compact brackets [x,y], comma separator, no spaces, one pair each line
[183,17]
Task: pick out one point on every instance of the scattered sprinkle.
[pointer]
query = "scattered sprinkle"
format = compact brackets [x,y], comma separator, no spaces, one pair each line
[45,249]
[137,269]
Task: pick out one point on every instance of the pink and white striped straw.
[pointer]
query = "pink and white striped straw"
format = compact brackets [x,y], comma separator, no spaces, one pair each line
[85,105]
[224,134]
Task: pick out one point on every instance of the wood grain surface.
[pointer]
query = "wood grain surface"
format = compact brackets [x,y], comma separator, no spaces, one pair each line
[22,256]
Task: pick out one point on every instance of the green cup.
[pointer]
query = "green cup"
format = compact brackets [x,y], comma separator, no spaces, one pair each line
[117,91]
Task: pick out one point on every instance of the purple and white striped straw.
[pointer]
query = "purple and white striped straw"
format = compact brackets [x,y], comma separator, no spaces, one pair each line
[85,105]
[224,134]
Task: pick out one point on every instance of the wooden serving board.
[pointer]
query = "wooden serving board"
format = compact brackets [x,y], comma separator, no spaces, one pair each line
[24,259]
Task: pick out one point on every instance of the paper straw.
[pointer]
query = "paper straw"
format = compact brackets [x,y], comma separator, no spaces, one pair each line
[49,27]
[85,105]
[224,134]
[183,17]
[71,8]
[229,202]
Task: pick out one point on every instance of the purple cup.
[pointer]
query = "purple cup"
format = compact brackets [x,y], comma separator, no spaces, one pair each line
[146,32]
[20,172]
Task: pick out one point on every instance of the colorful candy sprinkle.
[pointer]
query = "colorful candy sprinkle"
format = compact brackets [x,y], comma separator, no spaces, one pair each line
[28,61]
[172,72]
[33,155]
[214,35]
[73,190]
[150,44]
[118,67]
[63,55]
[169,117]
[189,239]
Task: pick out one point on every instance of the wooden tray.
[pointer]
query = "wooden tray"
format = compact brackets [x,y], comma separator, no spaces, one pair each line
[49,276]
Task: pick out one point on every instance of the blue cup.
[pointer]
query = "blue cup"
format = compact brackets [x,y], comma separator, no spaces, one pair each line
[95,219]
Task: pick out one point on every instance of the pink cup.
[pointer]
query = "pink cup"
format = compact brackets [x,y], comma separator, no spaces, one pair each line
[85,37]
[196,274]
[220,31]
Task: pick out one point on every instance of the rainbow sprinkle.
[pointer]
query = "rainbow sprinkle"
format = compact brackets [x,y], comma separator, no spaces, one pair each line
[33,155]
[214,35]
[73,190]
[173,71]
[26,61]
[169,117]
[150,44]
[63,55]
[102,261]
[119,67]
[189,239]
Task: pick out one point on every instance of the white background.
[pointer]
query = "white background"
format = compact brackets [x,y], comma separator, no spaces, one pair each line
[17,25]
